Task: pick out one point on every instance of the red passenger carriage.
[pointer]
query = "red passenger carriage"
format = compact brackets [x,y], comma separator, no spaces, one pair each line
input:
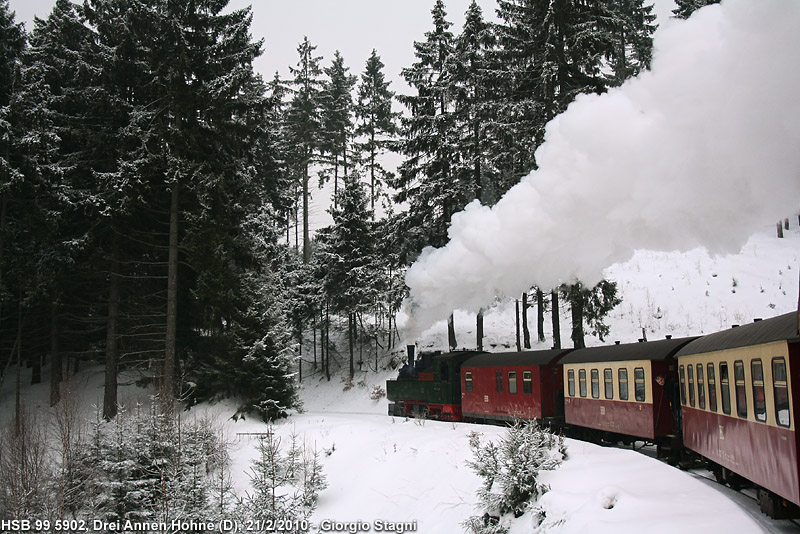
[624,392]
[739,407]
[505,386]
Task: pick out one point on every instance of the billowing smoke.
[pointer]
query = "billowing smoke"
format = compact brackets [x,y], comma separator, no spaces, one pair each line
[703,150]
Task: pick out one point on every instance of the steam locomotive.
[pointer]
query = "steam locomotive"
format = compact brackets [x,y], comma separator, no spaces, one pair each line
[726,399]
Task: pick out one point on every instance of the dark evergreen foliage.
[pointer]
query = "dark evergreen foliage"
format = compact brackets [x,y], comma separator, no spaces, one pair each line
[304,129]
[685,8]
[376,123]
[337,117]
[425,179]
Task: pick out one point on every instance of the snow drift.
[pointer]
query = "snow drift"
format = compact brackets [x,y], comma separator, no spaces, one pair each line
[700,151]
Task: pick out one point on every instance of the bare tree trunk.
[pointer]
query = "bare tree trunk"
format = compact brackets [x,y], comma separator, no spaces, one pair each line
[576,308]
[170,352]
[112,337]
[56,365]
[479,330]
[451,333]
[540,314]
[314,332]
[306,238]
[526,333]
[351,327]
[17,391]
[556,320]
[327,342]
[516,322]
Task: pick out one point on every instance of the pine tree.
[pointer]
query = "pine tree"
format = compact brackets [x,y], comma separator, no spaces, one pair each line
[377,123]
[590,307]
[347,254]
[425,178]
[633,38]
[337,116]
[471,84]
[685,8]
[303,124]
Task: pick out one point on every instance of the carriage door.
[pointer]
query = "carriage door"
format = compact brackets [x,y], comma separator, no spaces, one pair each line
[497,398]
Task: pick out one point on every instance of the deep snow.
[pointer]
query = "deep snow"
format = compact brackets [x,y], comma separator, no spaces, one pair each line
[389,469]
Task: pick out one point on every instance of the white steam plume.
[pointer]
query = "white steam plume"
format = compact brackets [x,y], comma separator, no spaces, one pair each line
[702,150]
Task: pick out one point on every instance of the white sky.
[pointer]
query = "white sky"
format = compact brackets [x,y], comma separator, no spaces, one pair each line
[354,27]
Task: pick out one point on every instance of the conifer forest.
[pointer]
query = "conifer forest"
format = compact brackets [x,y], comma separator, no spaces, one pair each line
[154,188]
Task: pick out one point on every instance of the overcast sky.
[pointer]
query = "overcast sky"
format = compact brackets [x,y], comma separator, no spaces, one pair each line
[354,27]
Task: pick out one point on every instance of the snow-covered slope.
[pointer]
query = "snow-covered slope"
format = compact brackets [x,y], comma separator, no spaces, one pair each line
[402,471]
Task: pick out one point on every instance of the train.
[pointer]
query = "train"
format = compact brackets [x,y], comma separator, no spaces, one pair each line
[724,399]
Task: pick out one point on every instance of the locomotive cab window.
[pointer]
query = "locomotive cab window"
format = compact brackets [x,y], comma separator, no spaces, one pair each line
[595,384]
[623,384]
[780,390]
[682,379]
[468,382]
[498,381]
[725,387]
[640,389]
[759,400]
[690,375]
[608,379]
[712,388]
[443,372]
[701,388]
[512,381]
[571,382]
[741,392]
[582,382]
[527,383]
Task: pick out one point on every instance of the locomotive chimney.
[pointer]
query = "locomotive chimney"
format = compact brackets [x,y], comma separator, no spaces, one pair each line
[411,349]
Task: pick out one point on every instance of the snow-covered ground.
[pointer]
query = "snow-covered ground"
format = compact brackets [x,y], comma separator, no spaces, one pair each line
[396,471]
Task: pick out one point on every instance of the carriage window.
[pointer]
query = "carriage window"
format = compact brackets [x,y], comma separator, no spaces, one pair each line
[725,388]
[781,391]
[512,382]
[571,382]
[527,383]
[498,381]
[623,384]
[741,392]
[595,384]
[468,382]
[582,382]
[608,378]
[690,373]
[712,388]
[638,384]
[682,373]
[701,388]
[759,400]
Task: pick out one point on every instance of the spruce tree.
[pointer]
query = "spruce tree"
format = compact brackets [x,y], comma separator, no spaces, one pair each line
[425,178]
[376,122]
[633,38]
[347,254]
[12,43]
[304,127]
[337,117]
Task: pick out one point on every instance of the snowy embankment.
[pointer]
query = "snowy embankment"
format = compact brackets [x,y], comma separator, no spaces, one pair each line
[395,471]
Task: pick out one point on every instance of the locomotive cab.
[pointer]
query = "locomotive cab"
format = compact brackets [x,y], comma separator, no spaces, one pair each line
[428,386]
